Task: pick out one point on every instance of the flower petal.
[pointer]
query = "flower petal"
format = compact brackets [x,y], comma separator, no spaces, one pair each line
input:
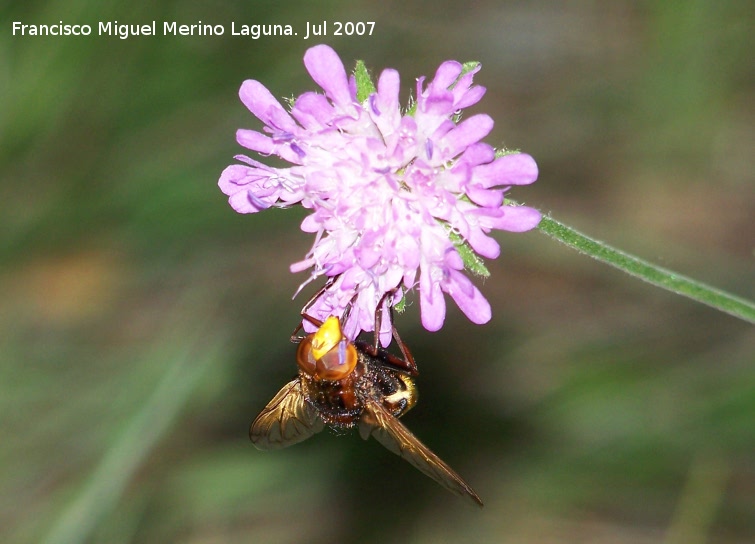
[445,75]
[516,169]
[384,106]
[467,133]
[432,305]
[251,139]
[468,298]
[517,219]
[264,106]
[483,244]
[471,97]
[245,201]
[313,111]
[326,68]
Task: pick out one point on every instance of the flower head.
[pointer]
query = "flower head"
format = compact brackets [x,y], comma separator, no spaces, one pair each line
[396,197]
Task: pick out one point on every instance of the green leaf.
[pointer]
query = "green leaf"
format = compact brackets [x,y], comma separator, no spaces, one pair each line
[412,109]
[467,67]
[106,484]
[471,260]
[503,152]
[365,85]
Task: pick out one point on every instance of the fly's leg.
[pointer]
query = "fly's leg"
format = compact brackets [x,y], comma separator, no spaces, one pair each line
[295,338]
[407,363]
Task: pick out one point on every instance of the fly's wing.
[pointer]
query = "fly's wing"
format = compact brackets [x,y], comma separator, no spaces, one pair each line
[392,434]
[286,420]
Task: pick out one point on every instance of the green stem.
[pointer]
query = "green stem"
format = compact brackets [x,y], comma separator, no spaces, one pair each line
[651,273]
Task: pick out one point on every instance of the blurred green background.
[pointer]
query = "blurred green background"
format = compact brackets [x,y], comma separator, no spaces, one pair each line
[144,324]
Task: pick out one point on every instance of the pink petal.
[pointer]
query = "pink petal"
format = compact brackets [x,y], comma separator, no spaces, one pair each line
[471,97]
[313,110]
[483,244]
[326,68]
[485,197]
[386,112]
[234,177]
[311,223]
[245,201]
[468,132]
[478,154]
[255,141]
[468,298]
[264,106]
[516,169]
[300,266]
[431,303]
[445,75]
[388,88]
[517,219]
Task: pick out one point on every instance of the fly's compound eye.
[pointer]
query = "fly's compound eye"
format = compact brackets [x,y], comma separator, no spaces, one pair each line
[338,363]
[327,337]
[304,357]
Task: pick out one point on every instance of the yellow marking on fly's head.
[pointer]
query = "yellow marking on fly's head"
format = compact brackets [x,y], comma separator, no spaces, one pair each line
[326,337]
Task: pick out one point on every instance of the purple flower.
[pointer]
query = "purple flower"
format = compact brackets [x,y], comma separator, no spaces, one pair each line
[393,196]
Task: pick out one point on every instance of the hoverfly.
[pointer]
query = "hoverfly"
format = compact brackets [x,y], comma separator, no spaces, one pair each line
[344,384]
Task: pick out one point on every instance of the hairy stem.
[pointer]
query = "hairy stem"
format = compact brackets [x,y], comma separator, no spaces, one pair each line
[651,273]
